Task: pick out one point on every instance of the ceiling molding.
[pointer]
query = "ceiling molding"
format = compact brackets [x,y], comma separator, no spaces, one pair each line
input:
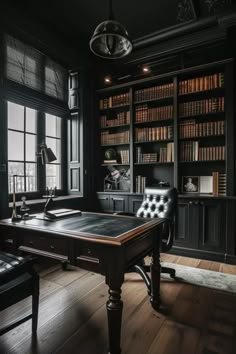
[175,31]
[186,11]
[215,6]
[172,45]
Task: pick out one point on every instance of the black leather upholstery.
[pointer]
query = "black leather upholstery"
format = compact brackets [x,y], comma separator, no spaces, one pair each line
[18,280]
[159,202]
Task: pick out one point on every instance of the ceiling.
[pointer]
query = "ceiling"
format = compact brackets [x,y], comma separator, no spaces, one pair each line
[74,21]
[77,19]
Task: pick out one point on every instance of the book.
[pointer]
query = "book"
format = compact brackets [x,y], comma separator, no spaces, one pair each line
[109,161]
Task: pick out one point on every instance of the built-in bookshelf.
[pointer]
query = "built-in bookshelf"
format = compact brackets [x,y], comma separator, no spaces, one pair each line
[168,127]
[201,127]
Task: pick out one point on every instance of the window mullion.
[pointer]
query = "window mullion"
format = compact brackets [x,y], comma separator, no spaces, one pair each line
[24,149]
[41,169]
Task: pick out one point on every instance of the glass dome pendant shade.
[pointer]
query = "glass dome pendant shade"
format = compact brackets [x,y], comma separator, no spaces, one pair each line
[110,39]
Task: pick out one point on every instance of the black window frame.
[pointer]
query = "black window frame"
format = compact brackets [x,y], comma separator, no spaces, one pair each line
[41,169]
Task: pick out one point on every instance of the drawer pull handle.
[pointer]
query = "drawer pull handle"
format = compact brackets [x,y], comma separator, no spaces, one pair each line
[89,251]
[52,247]
[31,243]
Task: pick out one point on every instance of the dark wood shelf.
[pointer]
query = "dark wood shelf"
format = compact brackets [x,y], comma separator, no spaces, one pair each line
[153,163]
[115,126]
[212,92]
[203,137]
[115,107]
[154,141]
[202,161]
[155,121]
[118,144]
[167,98]
[210,114]
[115,164]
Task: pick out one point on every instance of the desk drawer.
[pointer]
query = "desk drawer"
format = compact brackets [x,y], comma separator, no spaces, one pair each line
[87,249]
[48,244]
[87,256]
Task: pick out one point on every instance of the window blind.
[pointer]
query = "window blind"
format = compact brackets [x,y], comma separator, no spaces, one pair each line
[29,67]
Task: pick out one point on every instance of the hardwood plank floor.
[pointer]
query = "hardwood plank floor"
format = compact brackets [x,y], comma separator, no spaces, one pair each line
[72,315]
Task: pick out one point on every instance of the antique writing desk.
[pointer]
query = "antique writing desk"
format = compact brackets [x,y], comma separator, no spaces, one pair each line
[106,244]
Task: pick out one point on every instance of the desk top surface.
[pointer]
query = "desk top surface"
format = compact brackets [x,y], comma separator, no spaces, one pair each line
[90,225]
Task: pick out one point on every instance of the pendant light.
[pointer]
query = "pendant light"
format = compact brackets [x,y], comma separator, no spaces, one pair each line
[110,39]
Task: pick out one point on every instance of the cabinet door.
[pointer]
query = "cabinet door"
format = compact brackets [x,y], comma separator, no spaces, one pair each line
[135,202]
[103,202]
[118,203]
[212,220]
[186,234]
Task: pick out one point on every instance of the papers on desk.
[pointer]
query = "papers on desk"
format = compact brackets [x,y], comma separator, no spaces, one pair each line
[58,214]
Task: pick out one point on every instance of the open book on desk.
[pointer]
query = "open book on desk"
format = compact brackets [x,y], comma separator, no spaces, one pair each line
[58,214]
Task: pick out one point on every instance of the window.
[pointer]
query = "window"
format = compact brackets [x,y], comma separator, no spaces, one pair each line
[29,67]
[27,129]
[22,137]
[53,140]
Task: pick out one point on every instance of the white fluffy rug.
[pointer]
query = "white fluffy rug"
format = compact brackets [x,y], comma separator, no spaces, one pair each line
[202,277]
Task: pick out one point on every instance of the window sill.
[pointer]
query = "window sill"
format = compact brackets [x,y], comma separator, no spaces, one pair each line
[43,200]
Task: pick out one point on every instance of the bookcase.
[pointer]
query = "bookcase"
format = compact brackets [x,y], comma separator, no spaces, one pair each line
[176,128]
[168,128]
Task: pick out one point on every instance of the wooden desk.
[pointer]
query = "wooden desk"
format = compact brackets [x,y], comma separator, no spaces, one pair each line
[105,244]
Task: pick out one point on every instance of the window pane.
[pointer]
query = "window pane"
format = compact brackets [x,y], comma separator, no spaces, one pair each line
[15,116]
[31,177]
[53,126]
[15,146]
[16,168]
[56,79]
[53,176]
[30,147]
[30,120]
[23,63]
[55,145]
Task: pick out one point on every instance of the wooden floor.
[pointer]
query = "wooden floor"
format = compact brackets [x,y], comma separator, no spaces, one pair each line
[72,317]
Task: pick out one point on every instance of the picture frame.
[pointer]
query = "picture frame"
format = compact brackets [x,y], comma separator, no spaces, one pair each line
[206,184]
[190,184]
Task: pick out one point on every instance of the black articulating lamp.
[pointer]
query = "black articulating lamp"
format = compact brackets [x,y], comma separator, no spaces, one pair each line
[110,39]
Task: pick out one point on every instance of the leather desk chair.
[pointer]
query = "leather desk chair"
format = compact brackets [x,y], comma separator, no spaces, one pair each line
[18,280]
[159,202]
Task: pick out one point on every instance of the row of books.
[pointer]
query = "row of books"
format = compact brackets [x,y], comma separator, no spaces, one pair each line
[203,83]
[219,183]
[124,156]
[149,157]
[140,183]
[201,106]
[114,101]
[190,151]
[155,92]
[191,129]
[167,153]
[121,119]
[145,114]
[154,133]
[115,138]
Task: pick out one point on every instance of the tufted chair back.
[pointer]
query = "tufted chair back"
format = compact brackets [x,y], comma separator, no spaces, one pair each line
[160,202]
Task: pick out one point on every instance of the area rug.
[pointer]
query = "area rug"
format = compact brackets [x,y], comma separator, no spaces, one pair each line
[202,277]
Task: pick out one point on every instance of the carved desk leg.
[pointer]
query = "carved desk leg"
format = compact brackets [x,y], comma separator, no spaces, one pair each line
[114,316]
[155,269]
